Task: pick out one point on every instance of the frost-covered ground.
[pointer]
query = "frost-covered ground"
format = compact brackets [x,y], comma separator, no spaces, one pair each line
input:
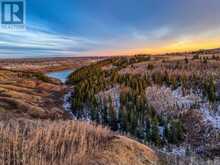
[114,94]
[67,107]
[161,98]
[166,100]
[67,104]
[209,116]
[174,150]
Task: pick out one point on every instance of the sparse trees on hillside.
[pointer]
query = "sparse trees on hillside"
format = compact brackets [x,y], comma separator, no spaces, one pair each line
[210,89]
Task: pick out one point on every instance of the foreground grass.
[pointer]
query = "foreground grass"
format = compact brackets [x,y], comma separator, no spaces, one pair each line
[26,142]
[69,142]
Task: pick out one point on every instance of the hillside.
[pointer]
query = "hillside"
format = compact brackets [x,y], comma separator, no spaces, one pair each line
[30,95]
[27,101]
[68,142]
[46,64]
[170,103]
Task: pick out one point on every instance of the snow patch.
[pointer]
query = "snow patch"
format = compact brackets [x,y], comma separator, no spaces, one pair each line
[187,101]
[161,131]
[67,104]
[114,93]
[211,118]
[179,151]
[164,99]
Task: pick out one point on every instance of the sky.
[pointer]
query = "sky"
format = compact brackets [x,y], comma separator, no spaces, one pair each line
[113,27]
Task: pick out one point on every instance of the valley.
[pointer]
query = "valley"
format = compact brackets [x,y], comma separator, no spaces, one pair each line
[34,123]
[168,103]
[118,82]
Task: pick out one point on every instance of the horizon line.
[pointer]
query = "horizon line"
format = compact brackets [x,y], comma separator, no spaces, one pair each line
[108,56]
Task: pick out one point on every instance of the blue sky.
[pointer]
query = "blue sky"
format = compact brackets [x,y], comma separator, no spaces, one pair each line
[113,27]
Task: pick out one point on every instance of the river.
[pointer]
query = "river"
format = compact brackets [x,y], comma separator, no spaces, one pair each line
[61,75]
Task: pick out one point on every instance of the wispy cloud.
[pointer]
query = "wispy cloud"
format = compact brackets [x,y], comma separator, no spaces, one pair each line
[34,42]
[150,35]
[74,27]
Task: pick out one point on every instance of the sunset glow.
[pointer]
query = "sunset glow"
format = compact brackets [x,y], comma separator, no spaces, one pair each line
[104,28]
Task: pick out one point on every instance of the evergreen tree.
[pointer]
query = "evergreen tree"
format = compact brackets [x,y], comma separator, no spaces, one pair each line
[186,60]
[123,119]
[210,89]
[154,133]
[112,116]
[104,113]
[155,136]
[175,133]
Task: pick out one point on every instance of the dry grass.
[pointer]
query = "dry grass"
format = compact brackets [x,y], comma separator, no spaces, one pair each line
[50,143]
[27,142]
[175,68]
[23,94]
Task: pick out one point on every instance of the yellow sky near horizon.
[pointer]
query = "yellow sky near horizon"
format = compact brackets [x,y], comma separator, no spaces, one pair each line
[179,46]
[182,43]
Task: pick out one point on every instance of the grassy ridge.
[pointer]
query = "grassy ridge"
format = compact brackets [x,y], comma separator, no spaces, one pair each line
[24,142]
[69,143]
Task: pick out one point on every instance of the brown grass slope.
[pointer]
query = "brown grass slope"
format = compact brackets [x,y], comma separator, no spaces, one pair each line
[25,96]
[68,143]
[30,95]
